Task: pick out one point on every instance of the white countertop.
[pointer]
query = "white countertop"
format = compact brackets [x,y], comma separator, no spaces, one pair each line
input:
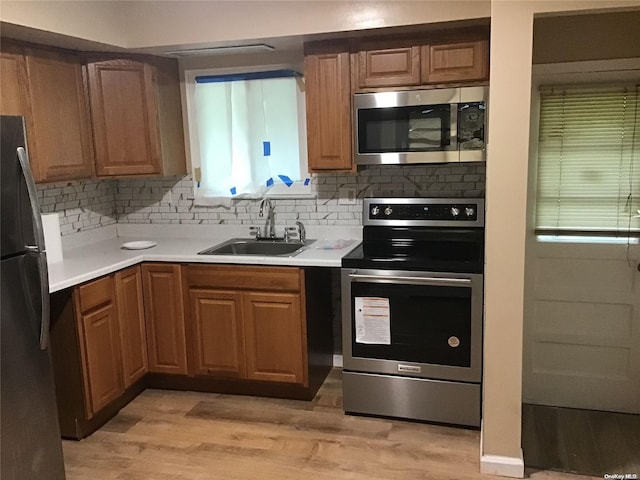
[98,252]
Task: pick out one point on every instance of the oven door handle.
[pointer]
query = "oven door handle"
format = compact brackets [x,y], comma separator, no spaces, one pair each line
[409,280]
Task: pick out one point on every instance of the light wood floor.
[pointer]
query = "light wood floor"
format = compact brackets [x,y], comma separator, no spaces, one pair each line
[165,435]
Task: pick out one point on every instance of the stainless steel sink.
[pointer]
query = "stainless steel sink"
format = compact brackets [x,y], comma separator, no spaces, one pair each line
[252,246]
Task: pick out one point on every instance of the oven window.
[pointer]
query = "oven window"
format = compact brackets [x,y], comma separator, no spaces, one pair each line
[429,324]
[404,129]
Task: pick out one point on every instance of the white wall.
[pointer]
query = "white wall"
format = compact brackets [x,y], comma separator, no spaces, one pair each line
[152,24]
[97,21]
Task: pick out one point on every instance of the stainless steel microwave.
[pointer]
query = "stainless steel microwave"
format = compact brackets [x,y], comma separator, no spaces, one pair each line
[421,126]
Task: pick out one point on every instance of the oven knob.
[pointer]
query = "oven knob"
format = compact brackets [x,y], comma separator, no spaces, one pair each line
[469,211]
[455,211]
[375,210]
[387,211]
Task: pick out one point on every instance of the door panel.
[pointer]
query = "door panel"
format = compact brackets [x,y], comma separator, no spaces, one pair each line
[12,74]
[15,207]
[29,419]
[100,348]
[125,118]
[328,98]
[582,328]
[166,341]
[56,92]
[133,337]
[218,340]
[274,337]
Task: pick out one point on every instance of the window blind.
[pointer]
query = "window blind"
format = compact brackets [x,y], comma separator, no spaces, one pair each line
[589,160]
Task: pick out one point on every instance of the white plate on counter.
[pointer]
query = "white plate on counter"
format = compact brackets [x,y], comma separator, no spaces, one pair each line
[138,245]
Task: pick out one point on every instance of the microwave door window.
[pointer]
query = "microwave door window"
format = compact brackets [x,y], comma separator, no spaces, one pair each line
[429,128]
[382,130]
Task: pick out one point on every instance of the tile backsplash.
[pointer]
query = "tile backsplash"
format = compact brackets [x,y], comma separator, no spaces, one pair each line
[83,205]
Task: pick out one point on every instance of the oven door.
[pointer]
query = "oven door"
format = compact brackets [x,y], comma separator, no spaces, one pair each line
[418,324]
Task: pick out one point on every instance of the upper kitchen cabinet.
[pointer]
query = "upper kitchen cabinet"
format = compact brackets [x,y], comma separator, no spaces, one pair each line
[396,66]
[455,62]
[12,71]
[328,97]
[136,116]
[50,95]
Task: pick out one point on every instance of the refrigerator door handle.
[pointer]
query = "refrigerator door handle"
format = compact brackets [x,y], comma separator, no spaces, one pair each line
[38,249]
[45,317]
[33,197]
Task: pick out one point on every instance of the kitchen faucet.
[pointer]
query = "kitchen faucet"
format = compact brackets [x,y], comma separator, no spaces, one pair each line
[271,217]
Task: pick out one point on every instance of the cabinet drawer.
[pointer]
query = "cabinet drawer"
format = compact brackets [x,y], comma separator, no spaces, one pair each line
[95,293]
[244,278]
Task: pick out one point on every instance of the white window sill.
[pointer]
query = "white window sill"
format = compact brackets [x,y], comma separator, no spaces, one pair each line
[587,239]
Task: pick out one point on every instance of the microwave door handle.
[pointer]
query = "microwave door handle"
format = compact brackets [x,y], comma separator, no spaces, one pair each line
[409,280]
[453,131]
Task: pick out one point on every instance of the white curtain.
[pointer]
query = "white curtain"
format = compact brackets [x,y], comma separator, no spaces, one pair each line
[248,135]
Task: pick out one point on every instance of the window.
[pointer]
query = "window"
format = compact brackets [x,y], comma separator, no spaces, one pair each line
[589,160]
[247,136]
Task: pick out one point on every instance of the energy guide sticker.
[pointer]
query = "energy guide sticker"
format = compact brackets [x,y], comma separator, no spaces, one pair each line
[373,320]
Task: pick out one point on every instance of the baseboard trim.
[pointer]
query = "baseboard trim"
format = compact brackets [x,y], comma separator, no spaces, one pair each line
[497,464]
[502,466]
[337,360]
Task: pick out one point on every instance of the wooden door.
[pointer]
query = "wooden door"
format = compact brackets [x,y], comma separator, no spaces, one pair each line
[275,339]
[12,73]
[58,128]
[124,110]
[100,351]
[389,67]
[328,98]
[164,311]
[131,322]
[455,62]
[582,326]
[218,338]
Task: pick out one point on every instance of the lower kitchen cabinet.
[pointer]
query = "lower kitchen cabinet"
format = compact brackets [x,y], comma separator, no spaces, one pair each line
[131,322]
[162,285]
[274,337]
[98,349]
[248,322]
[219,328]
[218,336]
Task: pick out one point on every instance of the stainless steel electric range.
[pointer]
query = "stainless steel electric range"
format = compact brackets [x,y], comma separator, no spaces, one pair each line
[412,296]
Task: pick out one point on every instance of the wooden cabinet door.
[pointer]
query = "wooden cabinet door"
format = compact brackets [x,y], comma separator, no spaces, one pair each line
[100,351]
[131,322]
[12,73]
[455,62]
[328,98]
[58,129]
[275,334]
[218,338]
[124,110]
[390,67]
[164,310]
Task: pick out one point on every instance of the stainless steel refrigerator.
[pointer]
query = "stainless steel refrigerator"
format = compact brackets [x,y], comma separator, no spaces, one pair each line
[30,446]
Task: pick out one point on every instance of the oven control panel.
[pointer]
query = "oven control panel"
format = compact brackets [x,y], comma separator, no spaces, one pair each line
[423,211]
